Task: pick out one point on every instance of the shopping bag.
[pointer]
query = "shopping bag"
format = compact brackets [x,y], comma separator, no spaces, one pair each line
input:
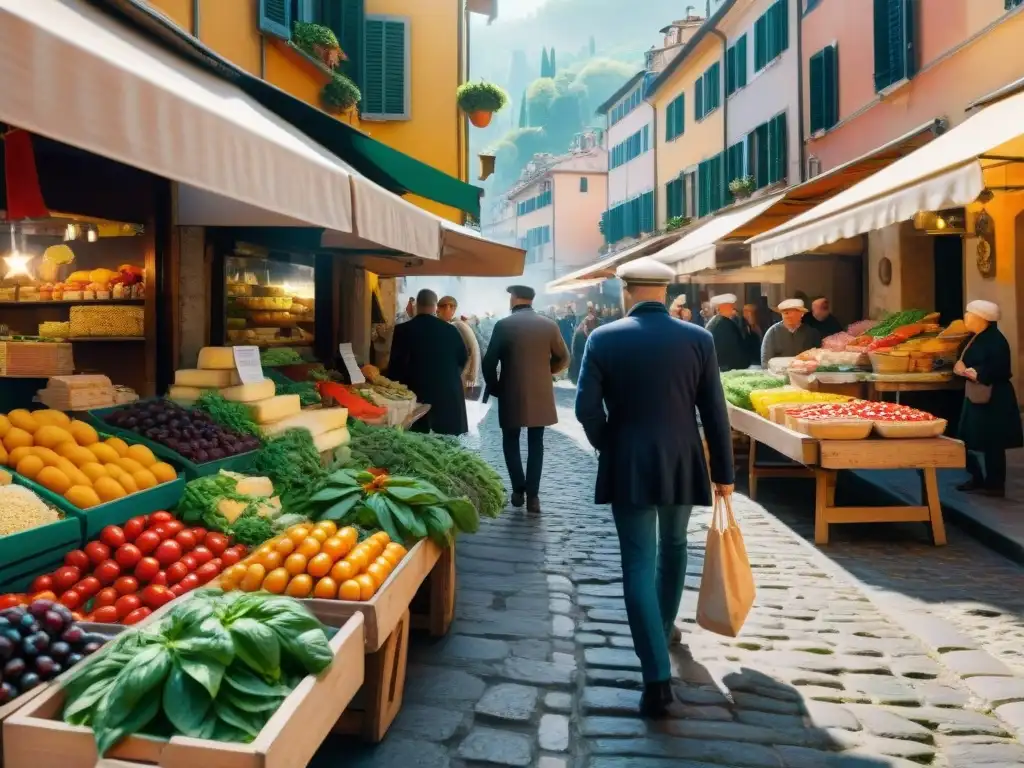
[727,584]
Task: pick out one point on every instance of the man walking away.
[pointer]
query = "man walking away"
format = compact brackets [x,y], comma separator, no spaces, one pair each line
[428,356]
[446,309]
[529,349]
[821,319]
[724,329]
[651,465]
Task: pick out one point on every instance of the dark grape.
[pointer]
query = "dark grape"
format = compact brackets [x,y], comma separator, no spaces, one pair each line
[45,667]
[11,634]
[60,650]
[7,693]
[40,607]
[54,623]
[73,635]
[14,668]
[91,648]
[94,637]
[28,681]
[72,659]
[6,648]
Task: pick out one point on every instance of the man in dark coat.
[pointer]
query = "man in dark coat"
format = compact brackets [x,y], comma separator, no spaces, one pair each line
[821,319]
[529,349]
[428,356]
[642,382]
[725,330]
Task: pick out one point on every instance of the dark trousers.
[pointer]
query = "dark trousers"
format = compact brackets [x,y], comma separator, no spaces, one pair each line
[530,482]
[994,473]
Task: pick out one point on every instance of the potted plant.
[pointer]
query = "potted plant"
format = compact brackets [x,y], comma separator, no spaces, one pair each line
[742,187]
[677,222]
[480,101]
[339,95]
[318,41]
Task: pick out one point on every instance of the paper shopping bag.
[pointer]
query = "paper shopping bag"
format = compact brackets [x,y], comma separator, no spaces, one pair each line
[727,585]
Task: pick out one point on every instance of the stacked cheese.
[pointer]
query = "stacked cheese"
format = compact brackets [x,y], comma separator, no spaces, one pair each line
[328,426]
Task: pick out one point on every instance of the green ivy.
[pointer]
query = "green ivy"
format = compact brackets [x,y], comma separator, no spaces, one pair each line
[481,97]
[340,94]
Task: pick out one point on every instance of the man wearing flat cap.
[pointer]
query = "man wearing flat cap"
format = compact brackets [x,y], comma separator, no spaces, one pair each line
[725,329]
[791,336]
[525,351]
[642,381]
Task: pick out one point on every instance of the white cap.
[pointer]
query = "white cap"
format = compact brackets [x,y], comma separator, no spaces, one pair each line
[797,304]
[723,298]
[645,271]
[986,310]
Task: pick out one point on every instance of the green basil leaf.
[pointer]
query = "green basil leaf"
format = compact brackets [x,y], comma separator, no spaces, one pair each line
[311,649]
[79,709]
[228,733]
[343,507]
[240,678]
[257,646]
[254,704]
[406,517]
[439,525]
[343,477]
[414,496]
[291,623]
[333,492]
[249,723]
[186,702]
[190,614]
[464,514]
[207,673]
[210,640]
[85,675]
[136,720]
[136,683]
[385,519]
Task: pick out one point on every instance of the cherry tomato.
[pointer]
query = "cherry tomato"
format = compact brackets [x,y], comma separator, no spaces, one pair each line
[177,590]
[128,556]
[230,557]
[186,540]
[200,533]
[219,563]
[71,599]
[173,528]
[155,596]
[177,572]
[216,543]
[88,586]
[78,559]
[148,541]
[105,615]
[45,595]
[160,517]
[9,601]
[112,536]
[105,597]
[189,583]
[97,552]
[107,572]
[65,577]
[136,616]
[133,528]
[241,549]
[160,530]
[207,572]
[126,604]
[160,579]
[168,552]
[190,562]
[147,568]
[202,555]
[126,585]
[43,583]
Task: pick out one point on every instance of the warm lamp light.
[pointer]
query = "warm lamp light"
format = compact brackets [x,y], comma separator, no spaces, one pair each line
[92,235]
[17,264]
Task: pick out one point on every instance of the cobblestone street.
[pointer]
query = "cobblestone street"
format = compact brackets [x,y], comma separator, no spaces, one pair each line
[879,650]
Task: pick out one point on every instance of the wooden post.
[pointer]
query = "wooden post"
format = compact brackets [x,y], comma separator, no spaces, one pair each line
[931,499]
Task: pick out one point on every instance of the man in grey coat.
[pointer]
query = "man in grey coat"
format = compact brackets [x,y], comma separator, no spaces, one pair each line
[529,349]
[790,337]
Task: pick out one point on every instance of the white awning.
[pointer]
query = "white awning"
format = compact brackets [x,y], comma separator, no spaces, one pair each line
[945,173]
[597,273]
[696,251]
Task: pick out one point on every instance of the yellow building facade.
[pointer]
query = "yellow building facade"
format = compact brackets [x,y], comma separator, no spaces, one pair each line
[409,53]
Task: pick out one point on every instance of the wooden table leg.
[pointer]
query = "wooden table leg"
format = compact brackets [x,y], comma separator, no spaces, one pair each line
[931,482]
[752,470]
[442,593]
[821,494]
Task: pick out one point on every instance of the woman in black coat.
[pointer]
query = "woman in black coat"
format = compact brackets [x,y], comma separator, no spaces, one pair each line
[579,344]
[990,421]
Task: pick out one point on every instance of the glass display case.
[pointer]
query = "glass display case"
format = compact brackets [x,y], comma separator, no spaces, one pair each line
[270,300]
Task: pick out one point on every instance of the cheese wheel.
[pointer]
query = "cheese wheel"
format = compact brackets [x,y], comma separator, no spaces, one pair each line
[217,358]
[249,393]
[206,379]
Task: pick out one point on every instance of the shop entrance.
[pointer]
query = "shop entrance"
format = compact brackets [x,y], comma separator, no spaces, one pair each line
[949,277]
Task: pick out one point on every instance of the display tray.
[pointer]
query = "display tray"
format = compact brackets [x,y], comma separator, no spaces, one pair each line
[910,430]
[854,429]
[26,554]
[36,736]
[239,463]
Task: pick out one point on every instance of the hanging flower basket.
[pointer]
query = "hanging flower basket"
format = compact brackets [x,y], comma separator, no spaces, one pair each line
[339,95]
[480,101]
[742,187]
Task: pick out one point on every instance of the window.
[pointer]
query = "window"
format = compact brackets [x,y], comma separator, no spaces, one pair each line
[346,18]
[629,218]
[675,118]
[534,243]
[824,89]
[690,194]
[386,68]
[276,18]
[711,193]
[735,162]
[708,92]
[627,105]
[538,201]
[1011,4]
[895,51]
[767,152]
[630,148]
[736,66]
[584,184]
[675,198]
[771,34]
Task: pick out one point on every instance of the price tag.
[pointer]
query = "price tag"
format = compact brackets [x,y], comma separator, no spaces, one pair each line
[348,357]
[248,365]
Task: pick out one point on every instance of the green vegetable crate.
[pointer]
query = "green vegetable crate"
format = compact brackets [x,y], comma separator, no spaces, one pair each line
[239,463]
[26,554]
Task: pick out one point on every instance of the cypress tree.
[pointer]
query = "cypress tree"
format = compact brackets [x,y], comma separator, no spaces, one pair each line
[545,63]
[523,122]
[551,63]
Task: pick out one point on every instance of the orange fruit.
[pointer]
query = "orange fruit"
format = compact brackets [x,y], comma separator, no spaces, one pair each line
[298,533]
[384,563]
[83,433]
[319,565]
[127,482]
[276,581]
[17,437]
[144,479]
[52,417]
[328,526]
[300,586]
[108,489]
[373,547]
[30,466]
[105,454]
[131,466]
[377,573]
[319,534]
[367,586]
[350,590]
[359,560]
[343,570]
[285,546]
[382,537]
[94,472]
[118,445]
[163,472]
[18,454]
[308,547]
[334,548]
[326,589]
[253,579]
[49,436]
[232,575]
[51,478]
[296,564]
[24,420]
[49,456]
[271,559]
[397,549]
[350,536]
[82,496]
[141,454]
[391,556]
[114,471]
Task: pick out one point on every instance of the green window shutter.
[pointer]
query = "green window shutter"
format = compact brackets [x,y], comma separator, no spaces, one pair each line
[730,71]
[670,121]
[647,206]
[830,75]
[670,204]
[741,62]
[386,68]
[895,45]
[702,191]
[345,19]
[681,195]
[713,87]
[909,38]
[761,42]
[781,12]
[276,18]
[698,99]
[817,91]
[761,155]
[681,114]
[777,148]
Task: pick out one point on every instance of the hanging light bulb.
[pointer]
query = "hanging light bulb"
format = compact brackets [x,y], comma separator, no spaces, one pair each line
[70,232]
[92,235]
[16,261]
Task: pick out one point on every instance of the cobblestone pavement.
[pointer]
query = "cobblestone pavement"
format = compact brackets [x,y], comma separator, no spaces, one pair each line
[832,670]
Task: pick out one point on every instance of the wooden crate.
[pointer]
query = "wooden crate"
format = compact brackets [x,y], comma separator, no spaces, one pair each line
[35,737]
[433,608]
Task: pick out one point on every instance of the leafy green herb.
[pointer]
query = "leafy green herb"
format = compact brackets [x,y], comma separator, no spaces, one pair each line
[896,320]
[233,416]
[293,464]
[279,356]
[306,390]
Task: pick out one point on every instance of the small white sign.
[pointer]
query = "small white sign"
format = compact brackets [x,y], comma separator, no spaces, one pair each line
[348,357]
[248,365]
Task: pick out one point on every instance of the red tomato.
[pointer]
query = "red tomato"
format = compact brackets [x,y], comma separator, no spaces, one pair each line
[155,596]
[186,540]
[126,604]
[177,590]
[219,563]
[207,572]
[9,601]
[230,557]
[241,549]
[133,528]
[202,554]
[136,616]
[43,583]
[200,533]
[71,599]
[190,562]
[128,556]
[126,585]
[88,586]
[173,528]
[160,517]
[148,541]
[168,552]
[160,579]
[177,572]
[65,577]
[77,616]
[78,559]
[189,583]
[112,536]
[46,595]
[107,572]
[106,596]
[216,543]
[97,552]
[105,615]
[147,569]
[160,530]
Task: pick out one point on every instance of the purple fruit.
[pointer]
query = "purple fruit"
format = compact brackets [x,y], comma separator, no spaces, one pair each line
[40,607]
[45,667]
[6,648]
[91,648]
[64,612]
[7,693]
[54,623]
[72,659]
[27,620]
[14,614]
[59,650]
[11,634]
[73,635]
[14,669]
[28,681]
[95,637]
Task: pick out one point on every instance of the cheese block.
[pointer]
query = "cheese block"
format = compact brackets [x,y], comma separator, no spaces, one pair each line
[275,408]
[328,441]
[184,395]
[316,421]
[80,381]
[249,393]
[205,379]
[217,358]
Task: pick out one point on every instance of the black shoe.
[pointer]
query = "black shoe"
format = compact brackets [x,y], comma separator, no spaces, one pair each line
[533,505]
[656,699]
[518,499]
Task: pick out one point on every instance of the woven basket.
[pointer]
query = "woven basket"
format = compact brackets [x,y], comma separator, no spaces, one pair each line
[882,362]
[106,321]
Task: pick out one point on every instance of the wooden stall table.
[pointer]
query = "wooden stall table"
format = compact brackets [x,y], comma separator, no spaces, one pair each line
[800,449]
[878,386]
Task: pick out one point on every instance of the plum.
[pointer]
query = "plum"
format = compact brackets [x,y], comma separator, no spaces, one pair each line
[73,635]
[29,681]
[7,693]
[72,659]
[45,667]
[60,650]
[6,648]
[91,648]
[14,669]
[40,607]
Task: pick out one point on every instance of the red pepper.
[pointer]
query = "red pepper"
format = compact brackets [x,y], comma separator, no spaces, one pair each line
[357,407]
